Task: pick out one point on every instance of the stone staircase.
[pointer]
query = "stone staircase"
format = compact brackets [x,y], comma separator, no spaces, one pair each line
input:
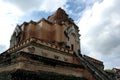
[99,74]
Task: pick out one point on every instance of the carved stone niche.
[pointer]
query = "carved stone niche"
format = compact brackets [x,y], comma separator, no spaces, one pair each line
[56,56]
[44,53]
[31,49]
[65,59]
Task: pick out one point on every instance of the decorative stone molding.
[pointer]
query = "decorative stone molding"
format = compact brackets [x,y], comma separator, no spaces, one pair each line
[56,56]
[31,49]
[65,59]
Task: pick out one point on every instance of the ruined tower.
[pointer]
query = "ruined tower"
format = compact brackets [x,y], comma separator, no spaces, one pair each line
[58,29]
[48,50]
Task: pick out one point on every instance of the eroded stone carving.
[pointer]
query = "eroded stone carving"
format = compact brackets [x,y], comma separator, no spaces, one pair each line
[15,38]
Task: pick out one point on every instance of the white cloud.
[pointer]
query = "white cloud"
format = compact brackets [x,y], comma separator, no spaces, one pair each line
[52,5]
[45,5]
[8,19]
[100,29]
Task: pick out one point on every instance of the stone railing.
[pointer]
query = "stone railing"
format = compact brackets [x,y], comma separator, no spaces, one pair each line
[98,73]
[93,60]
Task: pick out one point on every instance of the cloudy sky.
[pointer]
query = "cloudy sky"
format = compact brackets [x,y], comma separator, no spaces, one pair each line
[98,21]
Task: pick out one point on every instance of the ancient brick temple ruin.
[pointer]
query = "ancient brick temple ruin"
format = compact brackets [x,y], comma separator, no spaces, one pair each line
[48,50]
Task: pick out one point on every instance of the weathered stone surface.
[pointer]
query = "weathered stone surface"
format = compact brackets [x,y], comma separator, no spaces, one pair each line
[30,75]
[15,38]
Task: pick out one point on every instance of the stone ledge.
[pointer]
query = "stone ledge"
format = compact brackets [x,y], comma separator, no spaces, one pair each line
[35,66]
[32,75]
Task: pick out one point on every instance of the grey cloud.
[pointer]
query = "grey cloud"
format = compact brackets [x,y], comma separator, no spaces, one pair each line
[105,41]
[111,62]
[104,37]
